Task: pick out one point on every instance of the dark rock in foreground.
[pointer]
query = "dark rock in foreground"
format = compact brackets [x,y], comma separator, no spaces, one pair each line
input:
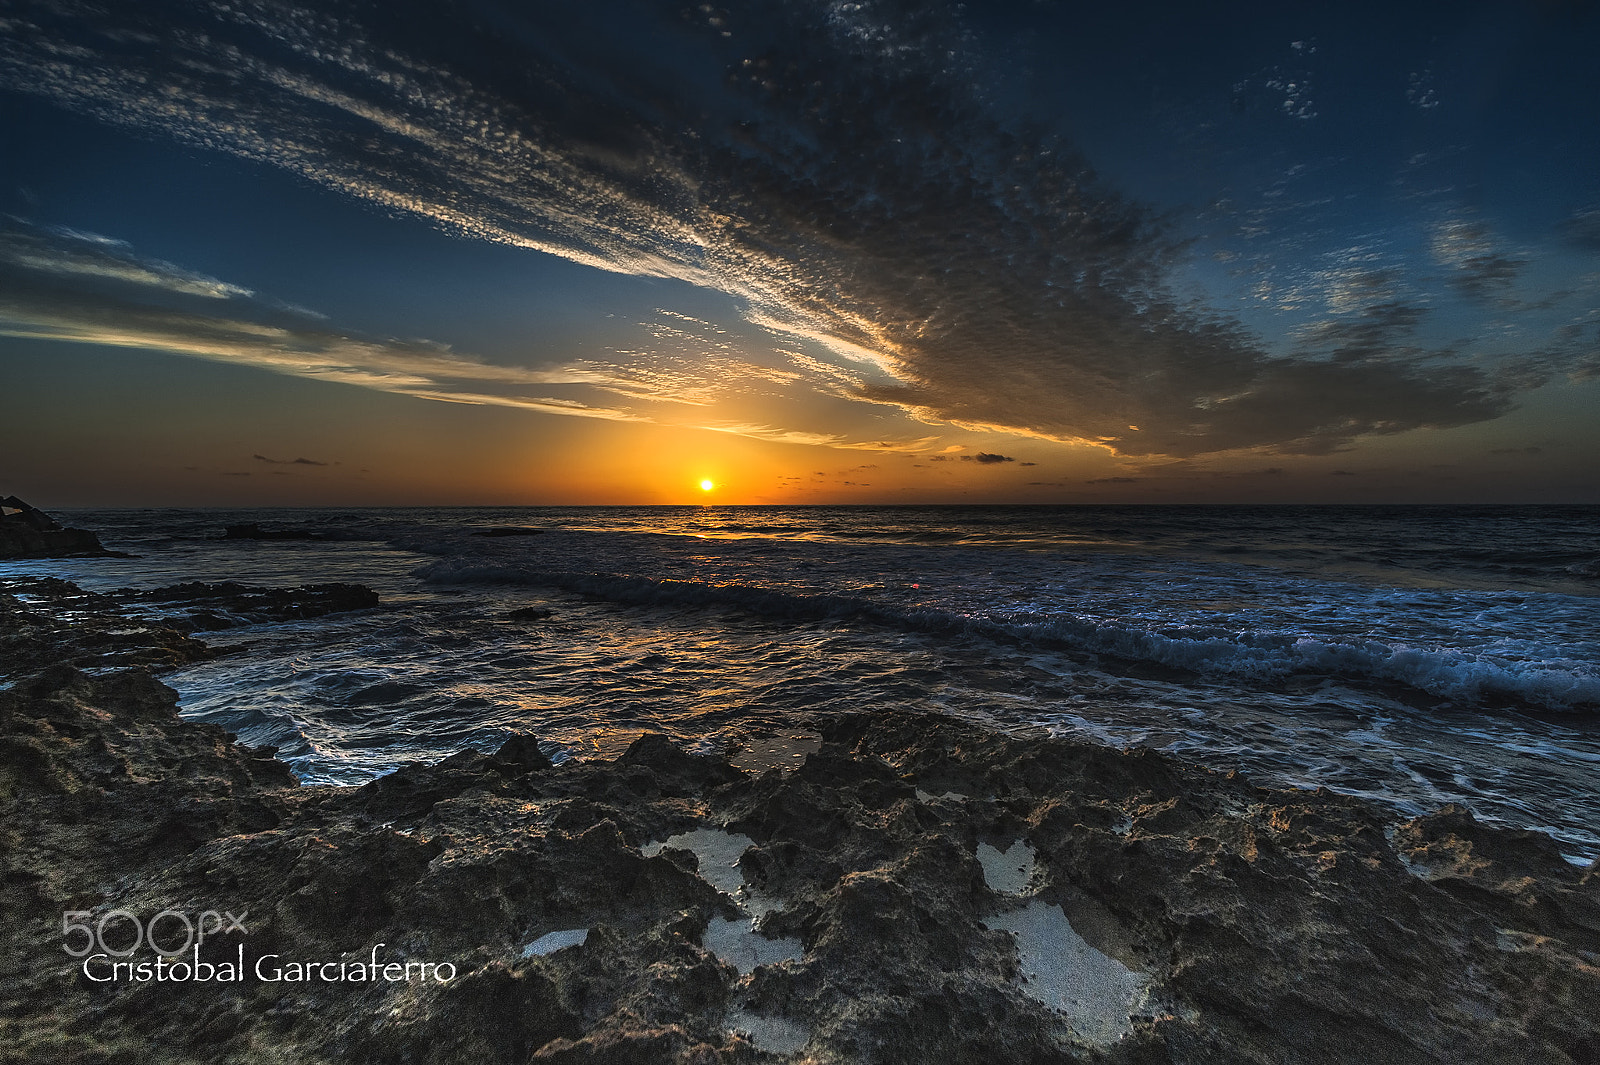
[45,621]
[198,606]
[925,892]
[26,532]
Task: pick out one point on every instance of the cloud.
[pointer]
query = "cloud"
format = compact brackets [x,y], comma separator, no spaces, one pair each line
[289,462]
[1285,89]
[58,284]
[800,436]
[687,361]
[1270,471]
[1582,228]
[1374,331]
[828,165]
[1113,480]
[1481,271]
[776,435]
[1420,90]
[61,284]
[84,256]
[987,458]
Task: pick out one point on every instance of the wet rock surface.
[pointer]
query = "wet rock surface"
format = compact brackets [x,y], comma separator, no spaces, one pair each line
[202,607]
[27,532]
[45,620]
[916,877]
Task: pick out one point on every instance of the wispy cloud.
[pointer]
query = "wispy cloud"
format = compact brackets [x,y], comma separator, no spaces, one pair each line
[71,286]
[71,253]
[825,164]
[1582,228]
[1481,269]
[1286,87]
[109,295]
[800,436]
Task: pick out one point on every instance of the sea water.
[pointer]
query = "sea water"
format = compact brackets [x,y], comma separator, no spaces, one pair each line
[1413,655]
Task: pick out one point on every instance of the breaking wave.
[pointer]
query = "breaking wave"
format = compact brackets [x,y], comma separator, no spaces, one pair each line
[1458,676]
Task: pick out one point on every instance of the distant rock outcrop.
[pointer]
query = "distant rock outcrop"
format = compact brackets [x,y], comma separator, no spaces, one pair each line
[27,532]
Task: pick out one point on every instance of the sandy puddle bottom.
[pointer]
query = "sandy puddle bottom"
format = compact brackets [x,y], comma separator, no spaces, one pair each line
[551,942]
[1096,992]
[738,941]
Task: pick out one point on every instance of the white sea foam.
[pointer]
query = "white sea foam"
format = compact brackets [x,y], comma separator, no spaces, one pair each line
[1493,662]
[1388,653]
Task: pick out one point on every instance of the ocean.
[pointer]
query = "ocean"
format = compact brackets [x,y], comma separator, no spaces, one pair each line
[1415,656]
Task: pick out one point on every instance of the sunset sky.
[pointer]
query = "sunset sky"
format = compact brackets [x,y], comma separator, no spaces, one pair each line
[1032,252]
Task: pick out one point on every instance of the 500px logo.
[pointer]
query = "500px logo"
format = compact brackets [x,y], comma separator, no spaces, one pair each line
[74,925]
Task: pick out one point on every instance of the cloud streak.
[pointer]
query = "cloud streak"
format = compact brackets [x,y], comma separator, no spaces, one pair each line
[68,286]
[64,285]
[825,164]
[72,254]
[1480,270]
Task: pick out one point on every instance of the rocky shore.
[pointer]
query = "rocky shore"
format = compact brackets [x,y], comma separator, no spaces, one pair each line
[27,532]
[890,888]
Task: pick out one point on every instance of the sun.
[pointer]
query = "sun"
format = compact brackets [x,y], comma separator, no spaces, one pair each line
[706,486]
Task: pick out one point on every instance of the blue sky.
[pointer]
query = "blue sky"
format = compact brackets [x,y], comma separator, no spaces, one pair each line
[813,252]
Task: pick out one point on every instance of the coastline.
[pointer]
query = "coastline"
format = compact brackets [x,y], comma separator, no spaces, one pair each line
[578,905]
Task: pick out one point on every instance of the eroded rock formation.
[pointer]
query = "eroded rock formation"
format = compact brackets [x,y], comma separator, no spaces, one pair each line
[923,890]
[26,532]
